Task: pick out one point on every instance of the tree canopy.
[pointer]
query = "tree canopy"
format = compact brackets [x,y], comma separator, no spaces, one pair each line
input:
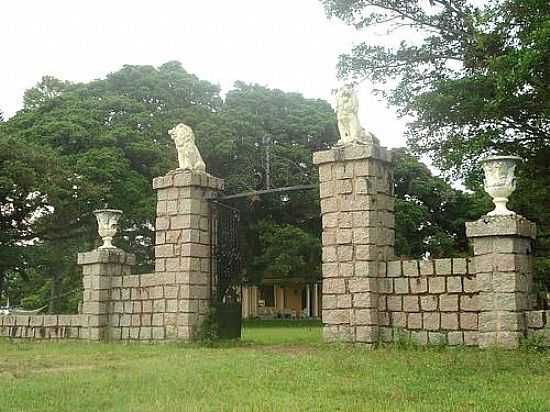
[78,147]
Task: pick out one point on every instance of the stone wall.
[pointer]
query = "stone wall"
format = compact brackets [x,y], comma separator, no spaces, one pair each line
[45,326]
[155,306]
[369,296]
[170,303]
[430,301]
[538,326]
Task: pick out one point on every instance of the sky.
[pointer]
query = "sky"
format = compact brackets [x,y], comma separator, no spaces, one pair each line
[286,44]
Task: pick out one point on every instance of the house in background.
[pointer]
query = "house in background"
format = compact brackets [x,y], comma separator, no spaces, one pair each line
[288,298]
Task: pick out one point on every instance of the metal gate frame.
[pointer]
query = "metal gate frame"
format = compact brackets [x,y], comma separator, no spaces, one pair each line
[225,254]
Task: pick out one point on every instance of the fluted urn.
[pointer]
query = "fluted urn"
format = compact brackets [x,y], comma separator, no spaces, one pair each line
[107,222]
[500,181]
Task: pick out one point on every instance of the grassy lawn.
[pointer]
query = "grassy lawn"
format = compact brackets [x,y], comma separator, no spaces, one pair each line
[278,366]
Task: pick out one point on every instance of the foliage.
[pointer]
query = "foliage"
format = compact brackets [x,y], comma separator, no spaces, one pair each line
[287,251]
[33,185]
[476,82]
[288,128]
[430,214]
[101,143]
[534,343]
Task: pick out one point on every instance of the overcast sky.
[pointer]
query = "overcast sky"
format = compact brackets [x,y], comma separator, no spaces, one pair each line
[285,44]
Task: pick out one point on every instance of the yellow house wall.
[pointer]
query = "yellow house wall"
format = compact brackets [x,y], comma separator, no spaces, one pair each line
[294,298]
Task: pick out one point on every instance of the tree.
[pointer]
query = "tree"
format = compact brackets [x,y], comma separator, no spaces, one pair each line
[111,134]
[87,145]
[109,138]
[429,213]
[476,83]
[286,251]
[33,185]
[287,128]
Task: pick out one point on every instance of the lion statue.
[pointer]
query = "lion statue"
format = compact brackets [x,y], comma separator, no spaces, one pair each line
[189,156]
[347,108]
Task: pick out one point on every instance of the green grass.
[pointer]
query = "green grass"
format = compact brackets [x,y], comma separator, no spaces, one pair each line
[279,366]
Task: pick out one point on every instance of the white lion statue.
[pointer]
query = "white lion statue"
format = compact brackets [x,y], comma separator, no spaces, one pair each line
[189,156]
[347,108]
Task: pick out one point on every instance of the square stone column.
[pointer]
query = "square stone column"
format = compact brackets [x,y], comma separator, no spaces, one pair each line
[182,245]
[356,190]
[503,265]
[99,268]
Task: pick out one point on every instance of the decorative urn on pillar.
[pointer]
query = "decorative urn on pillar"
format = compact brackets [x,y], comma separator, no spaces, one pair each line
[500,181]
[107,222]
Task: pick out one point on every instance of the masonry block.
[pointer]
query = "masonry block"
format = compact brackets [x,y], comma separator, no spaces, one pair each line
[502,249]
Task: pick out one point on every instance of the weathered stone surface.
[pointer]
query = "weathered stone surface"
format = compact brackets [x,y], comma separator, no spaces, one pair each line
[410,304]
[454,284]
[443,266]
[501,226]
[431,320]
[414,321]
[436,284]
[468,321]
[455,338]
[401,286]
[336,316]
[394,268]
[449,321]
[448,303]
[418,285]
[411,268]
[429,303]
[426,267]
[536,319]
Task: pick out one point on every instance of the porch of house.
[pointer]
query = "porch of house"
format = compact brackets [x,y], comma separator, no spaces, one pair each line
[282,299]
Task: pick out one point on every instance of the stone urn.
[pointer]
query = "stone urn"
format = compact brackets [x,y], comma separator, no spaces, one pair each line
[107,222]
[500,181]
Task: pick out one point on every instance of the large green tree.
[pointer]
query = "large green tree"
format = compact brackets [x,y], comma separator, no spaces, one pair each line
[430,213]
[83,146]
[285,128]
[110,139]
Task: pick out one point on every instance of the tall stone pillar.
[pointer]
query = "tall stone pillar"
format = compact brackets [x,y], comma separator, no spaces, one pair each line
[502,259]
[100,270]
[356,190]
[182,246]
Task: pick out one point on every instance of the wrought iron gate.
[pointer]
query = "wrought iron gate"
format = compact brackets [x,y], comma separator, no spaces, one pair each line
[225,253]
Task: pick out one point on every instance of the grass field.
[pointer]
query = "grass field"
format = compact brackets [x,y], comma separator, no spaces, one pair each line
[278,366]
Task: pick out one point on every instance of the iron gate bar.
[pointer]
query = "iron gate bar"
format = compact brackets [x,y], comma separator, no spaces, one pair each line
[224,248]
[266,191]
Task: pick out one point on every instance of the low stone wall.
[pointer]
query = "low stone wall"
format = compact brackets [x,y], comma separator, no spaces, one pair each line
[156,306]
[430,301]
[150,306]
[45,326]
[538,325]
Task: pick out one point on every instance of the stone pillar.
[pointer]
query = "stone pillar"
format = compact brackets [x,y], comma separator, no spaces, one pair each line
[100,269]
[356,190]
[182,245]
[502,259]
